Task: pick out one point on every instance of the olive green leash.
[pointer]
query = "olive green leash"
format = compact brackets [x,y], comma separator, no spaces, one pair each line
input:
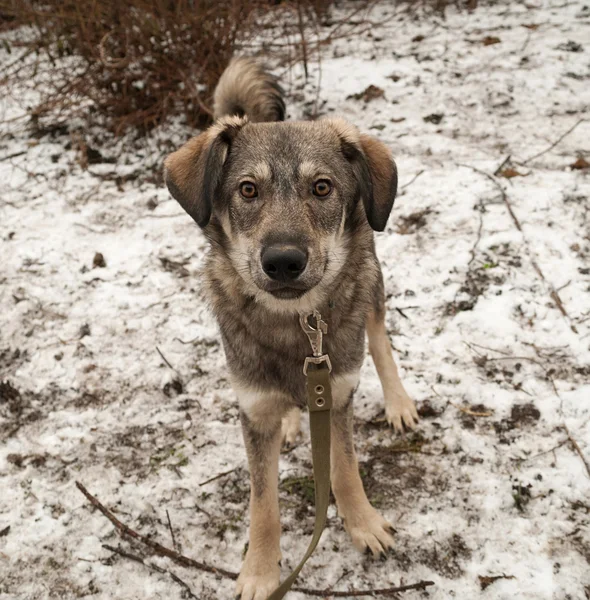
[317,369]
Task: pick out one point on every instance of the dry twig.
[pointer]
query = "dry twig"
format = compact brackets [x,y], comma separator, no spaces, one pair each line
[218,476]
[140,560]
[577,448]
[553,293]
[171,531]
[13,155]
[478,238]
[553,449]
[502,165]
[403,187]
[468,411]
[569,435]
[165,359]
[554,143]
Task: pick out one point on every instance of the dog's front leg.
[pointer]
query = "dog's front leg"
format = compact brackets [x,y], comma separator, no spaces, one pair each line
[400,409]
[261,572]
[370,532]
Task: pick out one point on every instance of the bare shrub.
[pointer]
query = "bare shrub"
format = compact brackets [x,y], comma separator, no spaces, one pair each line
[134,62]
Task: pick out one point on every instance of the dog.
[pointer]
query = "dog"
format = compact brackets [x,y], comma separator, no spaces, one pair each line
[289,210]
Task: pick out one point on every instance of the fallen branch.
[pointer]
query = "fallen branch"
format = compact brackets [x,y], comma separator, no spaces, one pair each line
[328,593]
[185,561]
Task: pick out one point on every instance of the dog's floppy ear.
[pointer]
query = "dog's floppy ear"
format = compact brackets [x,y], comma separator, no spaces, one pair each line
[194,172]
[374,170]
[383,172]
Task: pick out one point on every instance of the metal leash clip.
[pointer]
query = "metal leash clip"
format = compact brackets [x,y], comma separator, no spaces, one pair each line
[316,338]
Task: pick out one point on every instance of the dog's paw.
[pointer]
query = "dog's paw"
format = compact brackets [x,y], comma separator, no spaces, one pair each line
[258,579]
[291,427]
[401,412]
[370,532]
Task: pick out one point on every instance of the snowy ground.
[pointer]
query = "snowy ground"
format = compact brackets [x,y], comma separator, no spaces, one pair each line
[476,327]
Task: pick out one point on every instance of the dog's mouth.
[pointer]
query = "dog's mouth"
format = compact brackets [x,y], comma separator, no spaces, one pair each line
[286,290]
[287,293]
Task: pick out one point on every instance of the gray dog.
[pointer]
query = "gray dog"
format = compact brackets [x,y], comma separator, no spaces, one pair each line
[289,209]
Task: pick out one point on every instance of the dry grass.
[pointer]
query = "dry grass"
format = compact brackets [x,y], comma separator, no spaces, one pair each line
[134,62]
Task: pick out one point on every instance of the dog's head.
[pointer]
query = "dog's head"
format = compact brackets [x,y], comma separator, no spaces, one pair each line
[286,197]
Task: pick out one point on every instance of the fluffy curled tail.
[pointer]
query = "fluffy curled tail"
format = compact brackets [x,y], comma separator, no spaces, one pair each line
[245,88]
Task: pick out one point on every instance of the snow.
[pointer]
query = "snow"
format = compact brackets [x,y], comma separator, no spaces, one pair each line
[79,342]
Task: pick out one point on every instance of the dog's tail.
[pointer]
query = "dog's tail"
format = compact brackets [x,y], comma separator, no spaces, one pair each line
[245,88]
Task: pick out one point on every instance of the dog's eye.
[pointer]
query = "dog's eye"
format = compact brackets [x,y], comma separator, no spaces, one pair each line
[248,190]
[322,188]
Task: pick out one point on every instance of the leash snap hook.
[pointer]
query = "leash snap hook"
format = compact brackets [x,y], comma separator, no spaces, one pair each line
[316,338]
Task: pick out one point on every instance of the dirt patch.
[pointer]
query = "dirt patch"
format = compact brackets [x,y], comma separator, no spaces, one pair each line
[398,468]
[11,360]
[23,460]
[127,450]
[522,416]
[178,267]
[413,222]
[521,494]
[299,494]
[486,269]
[476,284]
[486,580]
[445,557]
[18,409]
[426,410]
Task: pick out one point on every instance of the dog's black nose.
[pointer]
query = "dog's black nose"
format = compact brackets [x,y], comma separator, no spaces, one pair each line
[283,263]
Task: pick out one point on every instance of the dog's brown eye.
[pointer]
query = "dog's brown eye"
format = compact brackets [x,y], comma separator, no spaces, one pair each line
[248,190]
[322,188]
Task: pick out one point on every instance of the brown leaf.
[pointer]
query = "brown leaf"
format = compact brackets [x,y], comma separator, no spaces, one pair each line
[580,164]
[509,173]
[98,260]
[368,94]
[531,26]
[490,39]
[485,581]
